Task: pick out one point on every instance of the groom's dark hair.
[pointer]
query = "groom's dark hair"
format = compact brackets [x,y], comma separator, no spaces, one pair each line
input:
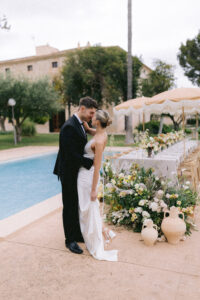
[88,102]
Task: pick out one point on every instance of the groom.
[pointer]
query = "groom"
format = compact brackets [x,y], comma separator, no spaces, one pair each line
[73,139]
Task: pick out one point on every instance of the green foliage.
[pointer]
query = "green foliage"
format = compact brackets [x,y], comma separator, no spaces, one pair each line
[28,128]
[188,57]
[188,131]
[40,119]
[159,80]
[153,127]
[192,121]
[98,72]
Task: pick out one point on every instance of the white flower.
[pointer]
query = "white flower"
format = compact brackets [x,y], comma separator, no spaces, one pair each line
[187,183]
[109,185]
[157,178]
[121,175]
[113,181]
[167,196]
[130,192]
[160,193]
[146,221]
[185,187]
[155,199]
[142,202]
[137,186]
[162,182]
[138,210]
[145,214]
[163,204]
[153,206]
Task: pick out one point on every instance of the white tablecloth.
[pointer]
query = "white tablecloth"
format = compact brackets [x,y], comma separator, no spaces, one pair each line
[165,163]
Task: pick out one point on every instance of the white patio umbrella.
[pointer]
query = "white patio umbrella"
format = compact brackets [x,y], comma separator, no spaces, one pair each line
[134,106]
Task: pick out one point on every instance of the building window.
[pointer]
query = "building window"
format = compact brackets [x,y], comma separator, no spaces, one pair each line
[54,64]
[7,70]
[30,68]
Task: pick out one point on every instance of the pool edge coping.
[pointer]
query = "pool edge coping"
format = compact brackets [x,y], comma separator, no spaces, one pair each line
[29,215]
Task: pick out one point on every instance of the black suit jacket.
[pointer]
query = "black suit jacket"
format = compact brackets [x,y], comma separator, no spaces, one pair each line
[71,149]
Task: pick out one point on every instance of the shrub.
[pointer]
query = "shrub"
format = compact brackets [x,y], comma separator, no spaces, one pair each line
[192,121]
[188,131]
[6,132]
[153,127]
[28,128]
[40,120]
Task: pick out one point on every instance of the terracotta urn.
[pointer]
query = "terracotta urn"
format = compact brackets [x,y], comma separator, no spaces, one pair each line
[173,226]
[149,233]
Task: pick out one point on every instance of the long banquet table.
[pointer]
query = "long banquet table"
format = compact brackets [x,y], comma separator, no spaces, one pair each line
[165,163]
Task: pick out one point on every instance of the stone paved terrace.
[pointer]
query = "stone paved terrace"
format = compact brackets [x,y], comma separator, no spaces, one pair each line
[34,264]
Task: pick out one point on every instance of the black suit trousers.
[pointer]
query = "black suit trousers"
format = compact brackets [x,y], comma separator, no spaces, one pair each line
[70,208]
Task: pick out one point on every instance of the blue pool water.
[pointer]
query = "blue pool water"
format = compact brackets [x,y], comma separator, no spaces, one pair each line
[26,182]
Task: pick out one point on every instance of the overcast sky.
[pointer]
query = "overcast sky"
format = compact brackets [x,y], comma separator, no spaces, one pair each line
[159,27]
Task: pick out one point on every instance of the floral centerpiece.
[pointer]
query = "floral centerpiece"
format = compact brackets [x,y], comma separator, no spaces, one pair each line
[139,195]
[159,142]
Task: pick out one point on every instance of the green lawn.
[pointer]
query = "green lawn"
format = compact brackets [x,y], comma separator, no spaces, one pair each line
[49,139]
[7,140]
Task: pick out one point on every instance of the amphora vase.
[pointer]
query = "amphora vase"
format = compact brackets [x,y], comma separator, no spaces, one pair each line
[173,226]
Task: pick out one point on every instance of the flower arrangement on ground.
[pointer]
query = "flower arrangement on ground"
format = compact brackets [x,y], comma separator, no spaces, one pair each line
[139,195]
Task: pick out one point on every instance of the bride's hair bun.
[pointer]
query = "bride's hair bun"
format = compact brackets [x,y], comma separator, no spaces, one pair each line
[103,117]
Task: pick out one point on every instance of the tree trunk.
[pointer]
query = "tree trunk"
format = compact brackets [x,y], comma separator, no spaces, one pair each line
[2,124]
[129,129]
[161,124]
[18,133]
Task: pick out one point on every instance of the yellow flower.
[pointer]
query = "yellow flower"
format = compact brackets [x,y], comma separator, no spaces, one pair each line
[134,217]
[131,210]
[100,195]
[178,202]
[122,194]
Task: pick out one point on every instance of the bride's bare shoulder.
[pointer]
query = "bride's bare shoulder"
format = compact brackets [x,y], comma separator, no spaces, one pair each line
[101,140]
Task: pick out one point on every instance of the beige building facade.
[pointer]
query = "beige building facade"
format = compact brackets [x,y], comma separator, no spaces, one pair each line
[48,62]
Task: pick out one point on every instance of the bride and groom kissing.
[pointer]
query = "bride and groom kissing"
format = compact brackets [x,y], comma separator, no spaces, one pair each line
[78,166]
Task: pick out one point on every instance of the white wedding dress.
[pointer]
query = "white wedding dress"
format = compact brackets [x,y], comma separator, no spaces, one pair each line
[89,213]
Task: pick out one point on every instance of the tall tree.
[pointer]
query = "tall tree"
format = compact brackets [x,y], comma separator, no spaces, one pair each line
[159,80]
[5,94]
[129,127]
[33,99]
[189,59]
[99,72]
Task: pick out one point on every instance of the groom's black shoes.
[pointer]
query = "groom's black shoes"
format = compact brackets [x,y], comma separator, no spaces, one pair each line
[74,247]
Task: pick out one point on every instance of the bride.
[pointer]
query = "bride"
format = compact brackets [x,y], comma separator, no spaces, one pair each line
[89,213]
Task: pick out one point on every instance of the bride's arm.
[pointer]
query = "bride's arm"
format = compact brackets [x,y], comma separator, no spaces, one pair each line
[88,129]
[97,165]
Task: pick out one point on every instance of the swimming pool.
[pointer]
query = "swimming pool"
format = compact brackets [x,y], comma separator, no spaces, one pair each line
[26,182]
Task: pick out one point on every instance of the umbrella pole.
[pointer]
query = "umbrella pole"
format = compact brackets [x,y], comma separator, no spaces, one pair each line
[197,126]
[143,121]
[183,130]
